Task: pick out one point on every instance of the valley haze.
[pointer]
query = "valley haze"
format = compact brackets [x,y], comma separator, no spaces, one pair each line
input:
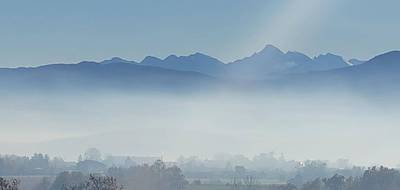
[321,107]
[199,95]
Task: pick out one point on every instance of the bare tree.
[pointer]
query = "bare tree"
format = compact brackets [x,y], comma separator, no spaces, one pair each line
[9,184]
[244,183]
[250,183]
[236,183]
[97,183]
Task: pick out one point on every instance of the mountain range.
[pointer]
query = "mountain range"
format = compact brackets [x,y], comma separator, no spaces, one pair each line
[269,66]
[269,61]
[93,76]
[272,60]
[379,75]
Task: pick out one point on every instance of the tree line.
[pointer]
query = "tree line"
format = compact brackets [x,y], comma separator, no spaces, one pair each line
[38,164]
[160,177]
[375,178]
[144,177]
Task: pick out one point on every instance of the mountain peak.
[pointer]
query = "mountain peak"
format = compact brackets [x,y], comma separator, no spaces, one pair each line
[171,57]
[329,56]
[300,58]
[271,49]
[269,46]
[329,61]
[150,59]
[199,55]
[115,60]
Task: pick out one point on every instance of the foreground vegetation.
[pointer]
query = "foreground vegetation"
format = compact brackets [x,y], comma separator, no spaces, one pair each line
[91,172]
[160,177]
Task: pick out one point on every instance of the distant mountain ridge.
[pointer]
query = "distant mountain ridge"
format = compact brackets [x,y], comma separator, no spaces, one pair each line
[269,61]
[197,62]
[121,75]
[378,75]
[270,67]
[272,60]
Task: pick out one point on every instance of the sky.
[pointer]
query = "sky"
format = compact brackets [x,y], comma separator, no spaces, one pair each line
[46,31]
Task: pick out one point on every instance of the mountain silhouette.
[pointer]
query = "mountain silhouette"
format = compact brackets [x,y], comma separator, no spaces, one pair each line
[272,60]
[268,62]
[197,62]
[378,75]
[271,67]
[117,60]
[328,61]
[112,74]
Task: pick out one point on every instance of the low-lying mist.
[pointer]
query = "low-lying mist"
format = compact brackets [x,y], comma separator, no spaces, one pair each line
[323,125]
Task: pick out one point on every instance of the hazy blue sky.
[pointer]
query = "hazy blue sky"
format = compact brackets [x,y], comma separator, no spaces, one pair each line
[48,31]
